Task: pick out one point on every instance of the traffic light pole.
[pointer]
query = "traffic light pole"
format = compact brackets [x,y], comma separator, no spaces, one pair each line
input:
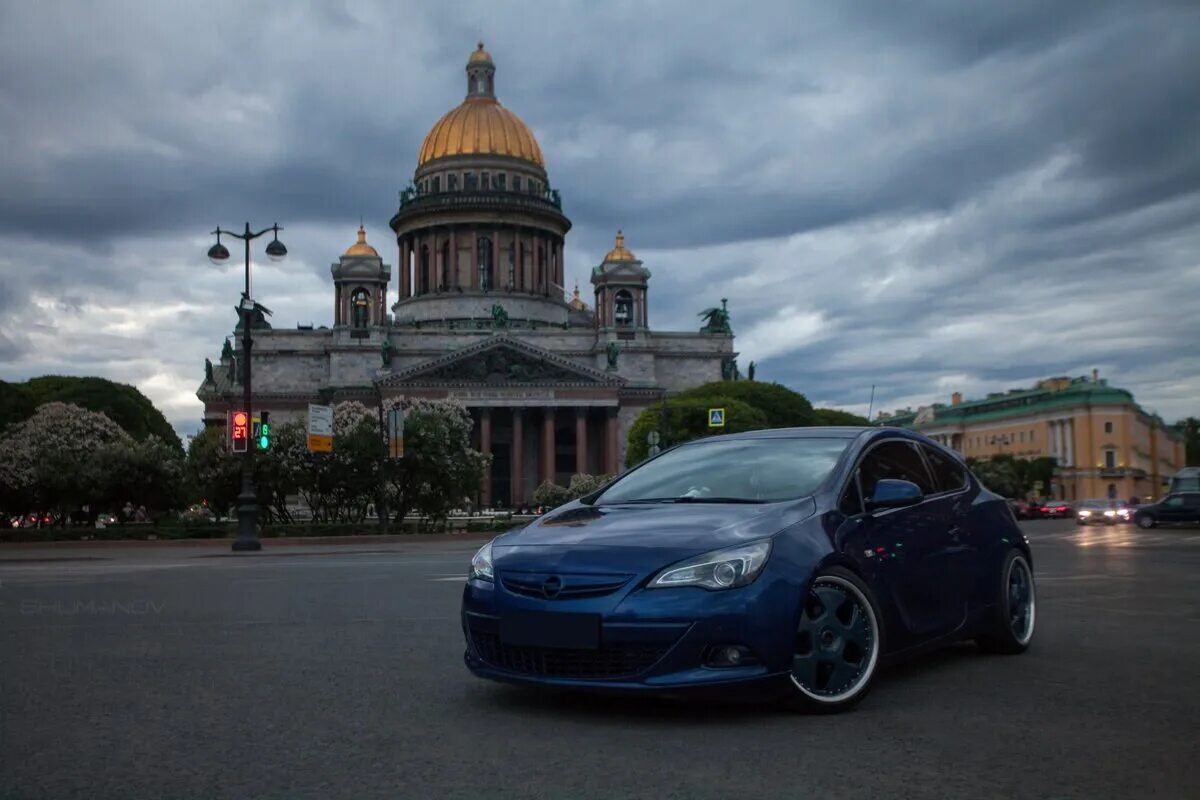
[247,537]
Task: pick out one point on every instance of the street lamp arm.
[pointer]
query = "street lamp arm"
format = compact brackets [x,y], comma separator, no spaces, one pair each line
[246,237]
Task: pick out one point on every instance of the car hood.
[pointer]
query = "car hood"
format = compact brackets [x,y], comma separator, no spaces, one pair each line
[676,526]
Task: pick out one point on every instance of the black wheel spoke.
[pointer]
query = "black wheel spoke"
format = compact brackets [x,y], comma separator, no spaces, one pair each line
[834,640]
[805,669]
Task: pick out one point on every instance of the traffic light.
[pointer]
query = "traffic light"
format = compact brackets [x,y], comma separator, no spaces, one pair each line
[239,430]
[264,432]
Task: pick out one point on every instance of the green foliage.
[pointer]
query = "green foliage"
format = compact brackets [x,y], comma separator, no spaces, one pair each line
[687,419]
[551,494]
[782,407]
[1190,428]
[123,404]
[835,416]
[1013,477]
[213,473]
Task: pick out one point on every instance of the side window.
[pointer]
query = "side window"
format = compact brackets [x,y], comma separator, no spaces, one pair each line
[851,503]
[893,459]
[948,474]
[1174,501]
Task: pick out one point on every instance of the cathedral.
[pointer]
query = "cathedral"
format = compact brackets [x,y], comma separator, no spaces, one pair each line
[480,314]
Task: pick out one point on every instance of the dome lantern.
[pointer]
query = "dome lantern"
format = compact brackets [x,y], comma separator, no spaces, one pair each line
[361,248]
[481,74]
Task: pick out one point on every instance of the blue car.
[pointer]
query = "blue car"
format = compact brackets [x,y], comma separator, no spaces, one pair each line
[794,561]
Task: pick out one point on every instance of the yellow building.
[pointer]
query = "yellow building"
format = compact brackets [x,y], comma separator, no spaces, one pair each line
[1104,443]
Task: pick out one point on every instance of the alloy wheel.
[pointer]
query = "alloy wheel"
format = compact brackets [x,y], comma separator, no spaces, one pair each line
[1022,602]
[837,641]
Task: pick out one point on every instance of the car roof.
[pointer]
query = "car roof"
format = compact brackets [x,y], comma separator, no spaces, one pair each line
[819,432]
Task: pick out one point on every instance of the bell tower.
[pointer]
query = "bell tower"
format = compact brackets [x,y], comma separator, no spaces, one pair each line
[360,280]
[621,284]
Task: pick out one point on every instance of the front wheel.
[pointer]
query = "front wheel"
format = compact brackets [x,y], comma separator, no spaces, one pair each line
[1145,521]
[1011,627]
[837,645]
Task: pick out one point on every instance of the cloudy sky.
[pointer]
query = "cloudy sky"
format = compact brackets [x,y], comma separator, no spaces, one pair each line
[927,197]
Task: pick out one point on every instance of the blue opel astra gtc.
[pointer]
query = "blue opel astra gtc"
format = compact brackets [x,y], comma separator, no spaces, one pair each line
[792,560]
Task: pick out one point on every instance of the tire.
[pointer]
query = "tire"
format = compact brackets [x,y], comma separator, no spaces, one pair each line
[1146,522]
[1010,629]
[838,644]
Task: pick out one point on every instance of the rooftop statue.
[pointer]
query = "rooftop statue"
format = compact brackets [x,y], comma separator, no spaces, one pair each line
[716,320]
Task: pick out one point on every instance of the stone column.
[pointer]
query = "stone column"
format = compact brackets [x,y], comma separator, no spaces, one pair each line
[1069,449]
[485,447]
[452,278]
[337,305]
[581,440]
[611,445]
[548,444]
[474,234]
[517,458]
[496,282]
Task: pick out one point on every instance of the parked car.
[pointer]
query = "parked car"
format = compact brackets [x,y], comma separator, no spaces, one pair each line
[1108,512]
[1055,509]
[793,561]
[1174,509]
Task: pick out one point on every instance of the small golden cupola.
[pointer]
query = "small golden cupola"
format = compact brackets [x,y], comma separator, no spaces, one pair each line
[619,251]
[361,248]
[576,303]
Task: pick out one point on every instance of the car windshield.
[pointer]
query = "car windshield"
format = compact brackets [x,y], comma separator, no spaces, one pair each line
[731,471]
[1094,504]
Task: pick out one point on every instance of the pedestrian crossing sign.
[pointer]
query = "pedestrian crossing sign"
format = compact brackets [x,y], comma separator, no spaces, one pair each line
[716,418]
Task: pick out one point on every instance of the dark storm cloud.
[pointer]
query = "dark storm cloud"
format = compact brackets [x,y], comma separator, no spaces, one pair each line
[926,197]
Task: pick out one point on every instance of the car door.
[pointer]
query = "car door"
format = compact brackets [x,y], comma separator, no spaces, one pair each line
[914,548]
[965,555]
[1171,509]
[1191,508]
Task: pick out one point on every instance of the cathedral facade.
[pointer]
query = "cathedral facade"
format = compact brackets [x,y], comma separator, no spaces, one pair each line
[481,315]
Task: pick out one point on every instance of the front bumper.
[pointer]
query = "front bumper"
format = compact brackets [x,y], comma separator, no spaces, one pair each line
[655,640]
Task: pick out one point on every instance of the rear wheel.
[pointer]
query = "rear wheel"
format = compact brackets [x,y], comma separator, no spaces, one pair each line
[837,645]
[1011,628]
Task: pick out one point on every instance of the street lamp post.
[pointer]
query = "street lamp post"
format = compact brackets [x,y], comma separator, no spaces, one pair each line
[247,538]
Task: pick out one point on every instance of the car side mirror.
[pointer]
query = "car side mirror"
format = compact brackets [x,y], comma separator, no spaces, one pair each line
[893,493]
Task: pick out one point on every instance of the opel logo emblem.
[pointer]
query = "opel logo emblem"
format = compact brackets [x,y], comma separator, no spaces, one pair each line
[552,587]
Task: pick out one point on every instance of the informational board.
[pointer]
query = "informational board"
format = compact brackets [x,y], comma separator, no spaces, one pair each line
[395,429]
[320,429]
[716,418]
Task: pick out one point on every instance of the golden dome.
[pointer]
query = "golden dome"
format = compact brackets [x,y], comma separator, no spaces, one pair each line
[620,252]
[361,248]
[480,126]
[480,55]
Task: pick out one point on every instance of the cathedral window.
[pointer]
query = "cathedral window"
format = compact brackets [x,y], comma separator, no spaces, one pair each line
[502,182]
[484,247]
[360,307]
[426,275]
[516,183]
[623,308]
[469,179]
[484,181]
[437,184]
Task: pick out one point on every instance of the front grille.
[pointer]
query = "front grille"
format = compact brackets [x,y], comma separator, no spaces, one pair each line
[573,587]
[609,661]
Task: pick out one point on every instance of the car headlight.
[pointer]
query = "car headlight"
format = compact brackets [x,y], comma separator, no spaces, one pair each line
[481,564]
[1110,513]
[720,569]
[1085,513]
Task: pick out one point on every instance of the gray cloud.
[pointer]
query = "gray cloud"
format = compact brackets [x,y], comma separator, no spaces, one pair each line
[950,196]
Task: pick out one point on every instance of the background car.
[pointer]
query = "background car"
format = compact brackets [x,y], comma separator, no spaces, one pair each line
[1108,512]
[1055,509]
[793,561]
[1174,509]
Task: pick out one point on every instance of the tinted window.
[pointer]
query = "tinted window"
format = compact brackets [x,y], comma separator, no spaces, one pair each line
[894,459]
[851,503]
[948,474]
[758,470]
[1175,500]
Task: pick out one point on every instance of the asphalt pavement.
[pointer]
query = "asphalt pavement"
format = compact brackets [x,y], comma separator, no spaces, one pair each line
[333,672]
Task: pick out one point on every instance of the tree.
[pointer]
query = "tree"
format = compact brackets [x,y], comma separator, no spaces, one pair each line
[213,473]
[835,416]
[687,419]
[1190,428]
[782,407]
[124,405]
[551,495]
[46,460]
[146,474]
